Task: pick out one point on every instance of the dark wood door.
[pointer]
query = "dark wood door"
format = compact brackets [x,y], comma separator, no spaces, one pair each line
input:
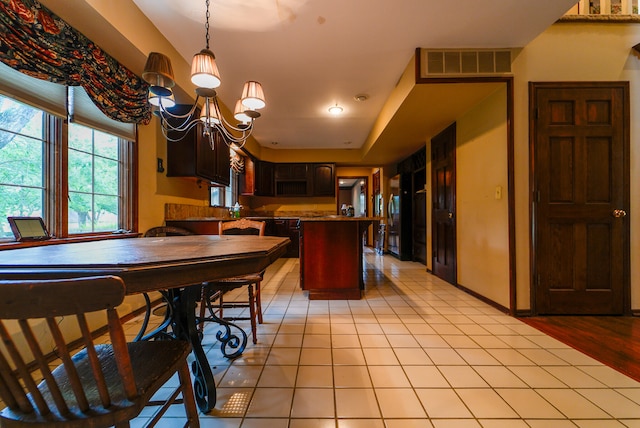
[443,191]
[580,197]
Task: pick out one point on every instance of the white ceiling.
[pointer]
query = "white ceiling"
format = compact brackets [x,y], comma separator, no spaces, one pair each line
[312,54]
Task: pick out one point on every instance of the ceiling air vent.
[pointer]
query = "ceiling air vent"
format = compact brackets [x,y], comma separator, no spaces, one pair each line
[465,62]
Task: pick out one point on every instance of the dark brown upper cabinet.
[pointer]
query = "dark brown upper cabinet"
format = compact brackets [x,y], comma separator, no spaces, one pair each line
[323,175]
[264,184]
[195,156]
[287,179]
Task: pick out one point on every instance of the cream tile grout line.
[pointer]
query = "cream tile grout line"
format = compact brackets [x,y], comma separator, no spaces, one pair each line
[450,314]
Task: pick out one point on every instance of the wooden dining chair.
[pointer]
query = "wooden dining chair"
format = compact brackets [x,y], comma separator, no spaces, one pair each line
[102,385]
[213,291]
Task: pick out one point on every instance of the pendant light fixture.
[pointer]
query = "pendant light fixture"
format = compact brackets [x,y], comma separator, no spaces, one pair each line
[158,73]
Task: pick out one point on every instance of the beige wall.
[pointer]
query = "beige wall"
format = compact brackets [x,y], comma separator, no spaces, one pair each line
[482,216]
[574,52]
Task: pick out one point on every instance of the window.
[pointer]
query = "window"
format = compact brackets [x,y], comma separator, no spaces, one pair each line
[93,177]
[226,196]
[217,196]
[81,185]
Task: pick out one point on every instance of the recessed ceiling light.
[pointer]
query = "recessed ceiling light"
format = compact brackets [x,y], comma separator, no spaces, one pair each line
[335,110]
[361,97]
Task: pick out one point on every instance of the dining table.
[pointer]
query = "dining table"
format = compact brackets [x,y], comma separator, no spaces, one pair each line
[174,265]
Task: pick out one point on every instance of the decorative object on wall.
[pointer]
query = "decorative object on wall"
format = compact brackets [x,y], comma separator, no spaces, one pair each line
[205,75]
[38,43]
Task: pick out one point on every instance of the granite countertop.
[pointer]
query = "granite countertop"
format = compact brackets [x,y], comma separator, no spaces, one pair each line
[302,218]
[251,217]
[340,218]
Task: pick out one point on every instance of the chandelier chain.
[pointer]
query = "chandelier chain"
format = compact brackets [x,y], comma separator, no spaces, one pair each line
[206,25]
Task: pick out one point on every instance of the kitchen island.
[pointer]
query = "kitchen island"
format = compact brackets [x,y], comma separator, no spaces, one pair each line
[331,250]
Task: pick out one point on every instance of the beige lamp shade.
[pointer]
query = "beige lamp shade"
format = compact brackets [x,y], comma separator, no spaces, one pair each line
[204,71]
[210,115]
[158,100]
[239,113]
[158,72]
[253,96]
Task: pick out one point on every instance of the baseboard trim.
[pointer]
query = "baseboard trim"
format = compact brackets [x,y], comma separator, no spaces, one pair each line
[485,299]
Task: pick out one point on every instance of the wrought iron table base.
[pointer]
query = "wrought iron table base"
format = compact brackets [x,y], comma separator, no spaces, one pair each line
[180,317]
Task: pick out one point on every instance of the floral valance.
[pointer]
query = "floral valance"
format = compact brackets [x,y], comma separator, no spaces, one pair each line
[36,42]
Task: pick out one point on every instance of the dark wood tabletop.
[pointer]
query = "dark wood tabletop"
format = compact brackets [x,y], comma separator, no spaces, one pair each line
[147,264]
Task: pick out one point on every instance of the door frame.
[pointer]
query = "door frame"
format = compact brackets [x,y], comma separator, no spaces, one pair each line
[366,190]
[626,274]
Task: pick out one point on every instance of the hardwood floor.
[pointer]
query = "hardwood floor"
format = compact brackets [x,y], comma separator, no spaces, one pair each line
[614,341]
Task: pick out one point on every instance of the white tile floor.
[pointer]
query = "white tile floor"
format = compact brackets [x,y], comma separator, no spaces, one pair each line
[414,352]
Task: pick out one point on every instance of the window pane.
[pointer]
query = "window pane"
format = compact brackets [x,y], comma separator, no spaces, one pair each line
[19,201]
[80,171]
[80,138]
[217,196]
[21,162]
[106,145]
[106,213]
[89,213]
[20,119]
[106,177]
[80,220]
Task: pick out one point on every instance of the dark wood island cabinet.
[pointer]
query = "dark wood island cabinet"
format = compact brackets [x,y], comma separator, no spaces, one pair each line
[331,251]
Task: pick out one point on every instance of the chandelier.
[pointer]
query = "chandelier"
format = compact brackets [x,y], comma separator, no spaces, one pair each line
[158,73]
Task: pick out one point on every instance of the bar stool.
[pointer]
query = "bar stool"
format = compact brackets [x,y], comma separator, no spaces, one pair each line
[213,292]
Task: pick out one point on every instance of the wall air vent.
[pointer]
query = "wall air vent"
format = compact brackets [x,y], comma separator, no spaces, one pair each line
[448,62]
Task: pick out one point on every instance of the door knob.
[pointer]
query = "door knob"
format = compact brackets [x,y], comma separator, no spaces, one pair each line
[619,213]
[451,215]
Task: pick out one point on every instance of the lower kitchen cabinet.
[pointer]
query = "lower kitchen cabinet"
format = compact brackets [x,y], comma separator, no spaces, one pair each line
[284,227]
[288,228]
